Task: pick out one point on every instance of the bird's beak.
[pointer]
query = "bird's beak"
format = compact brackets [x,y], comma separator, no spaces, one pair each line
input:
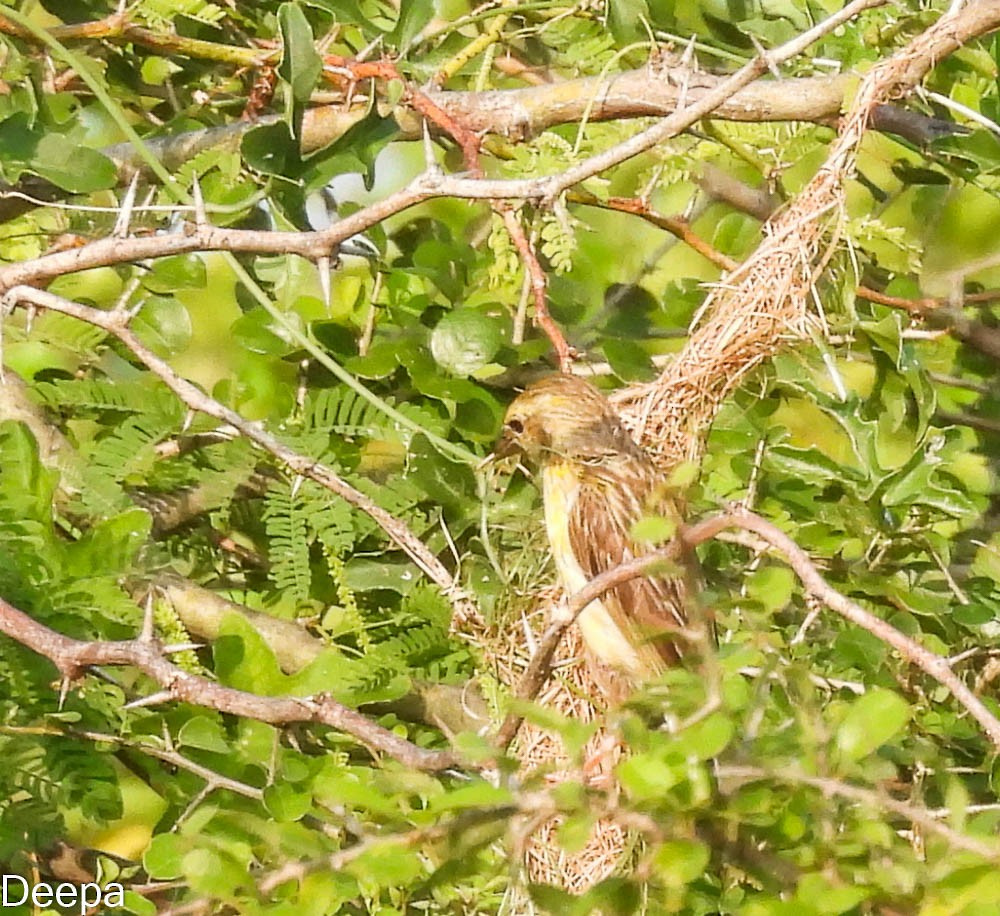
[506,446]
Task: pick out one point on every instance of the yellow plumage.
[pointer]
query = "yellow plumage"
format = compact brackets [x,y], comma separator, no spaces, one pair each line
[596,483]
[560,486]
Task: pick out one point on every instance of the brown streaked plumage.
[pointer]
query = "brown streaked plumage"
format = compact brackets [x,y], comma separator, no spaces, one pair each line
[596,483]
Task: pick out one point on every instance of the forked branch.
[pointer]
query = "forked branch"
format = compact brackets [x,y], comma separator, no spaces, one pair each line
[937,666]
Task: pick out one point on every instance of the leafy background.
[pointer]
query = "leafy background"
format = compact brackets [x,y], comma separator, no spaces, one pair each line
[875,448]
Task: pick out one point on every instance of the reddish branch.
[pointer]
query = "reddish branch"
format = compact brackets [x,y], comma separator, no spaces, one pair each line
[539,285]
[72,657]
[469,142]
[921,305]
[676,225]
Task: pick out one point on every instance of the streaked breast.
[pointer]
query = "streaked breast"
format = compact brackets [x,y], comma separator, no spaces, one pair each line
[560,487]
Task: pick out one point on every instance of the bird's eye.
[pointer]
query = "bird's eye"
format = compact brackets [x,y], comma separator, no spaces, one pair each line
[516,426]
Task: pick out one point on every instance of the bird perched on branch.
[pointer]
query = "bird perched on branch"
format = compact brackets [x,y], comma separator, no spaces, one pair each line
[596,484]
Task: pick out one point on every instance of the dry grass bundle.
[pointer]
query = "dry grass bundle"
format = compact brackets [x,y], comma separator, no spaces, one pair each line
[749,316]
[540,751]
[764,304]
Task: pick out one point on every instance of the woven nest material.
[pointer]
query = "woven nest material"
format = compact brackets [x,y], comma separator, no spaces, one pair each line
[757,310]
[747,319]
[539,750]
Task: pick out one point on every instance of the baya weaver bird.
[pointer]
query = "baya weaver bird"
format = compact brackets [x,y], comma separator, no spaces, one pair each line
[596,484]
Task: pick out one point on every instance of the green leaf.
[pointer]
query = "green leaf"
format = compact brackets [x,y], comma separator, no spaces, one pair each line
[138,905]
[256,331]
[825,898]
[111,545]
[182,271]
[388,864]
[363,575]
[73,168]
[705,739]
[204,733]
[449,483]
[772,586]
[628,360]
[285,803]
[679,862]
[22,472]
[555,900]
[244,660]
[478,794]
[465,340]
[354,151]
[329,672]
[18,142]
[807,465]
[625,19]
[379,362]
[649,776]
[300,64]
[270,148]
[654,529]
[873,719]
[413,16]
[211,872]
[164,325]
[346,11]
[164,856]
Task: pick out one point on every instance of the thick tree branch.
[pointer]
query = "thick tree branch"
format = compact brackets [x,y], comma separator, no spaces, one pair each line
[204,237]
[655,90]
[72,657]
[316,245]
[650,91]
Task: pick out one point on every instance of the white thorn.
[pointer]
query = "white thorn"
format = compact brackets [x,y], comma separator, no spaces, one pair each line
[146,634]
[64,686]
[181,647]
[124,219]
[200,217]
[324,267]
[153,699]
[429,159]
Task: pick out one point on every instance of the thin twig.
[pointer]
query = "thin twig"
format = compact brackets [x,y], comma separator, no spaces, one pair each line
[924,818]
[540,666]
[193,397]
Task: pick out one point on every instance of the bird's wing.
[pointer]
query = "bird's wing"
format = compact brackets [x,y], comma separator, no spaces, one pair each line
[646,608]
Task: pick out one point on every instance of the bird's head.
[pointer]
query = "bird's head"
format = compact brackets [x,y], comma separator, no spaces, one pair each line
[561,416]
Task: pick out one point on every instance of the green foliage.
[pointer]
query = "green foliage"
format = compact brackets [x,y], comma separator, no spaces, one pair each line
[775,778]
